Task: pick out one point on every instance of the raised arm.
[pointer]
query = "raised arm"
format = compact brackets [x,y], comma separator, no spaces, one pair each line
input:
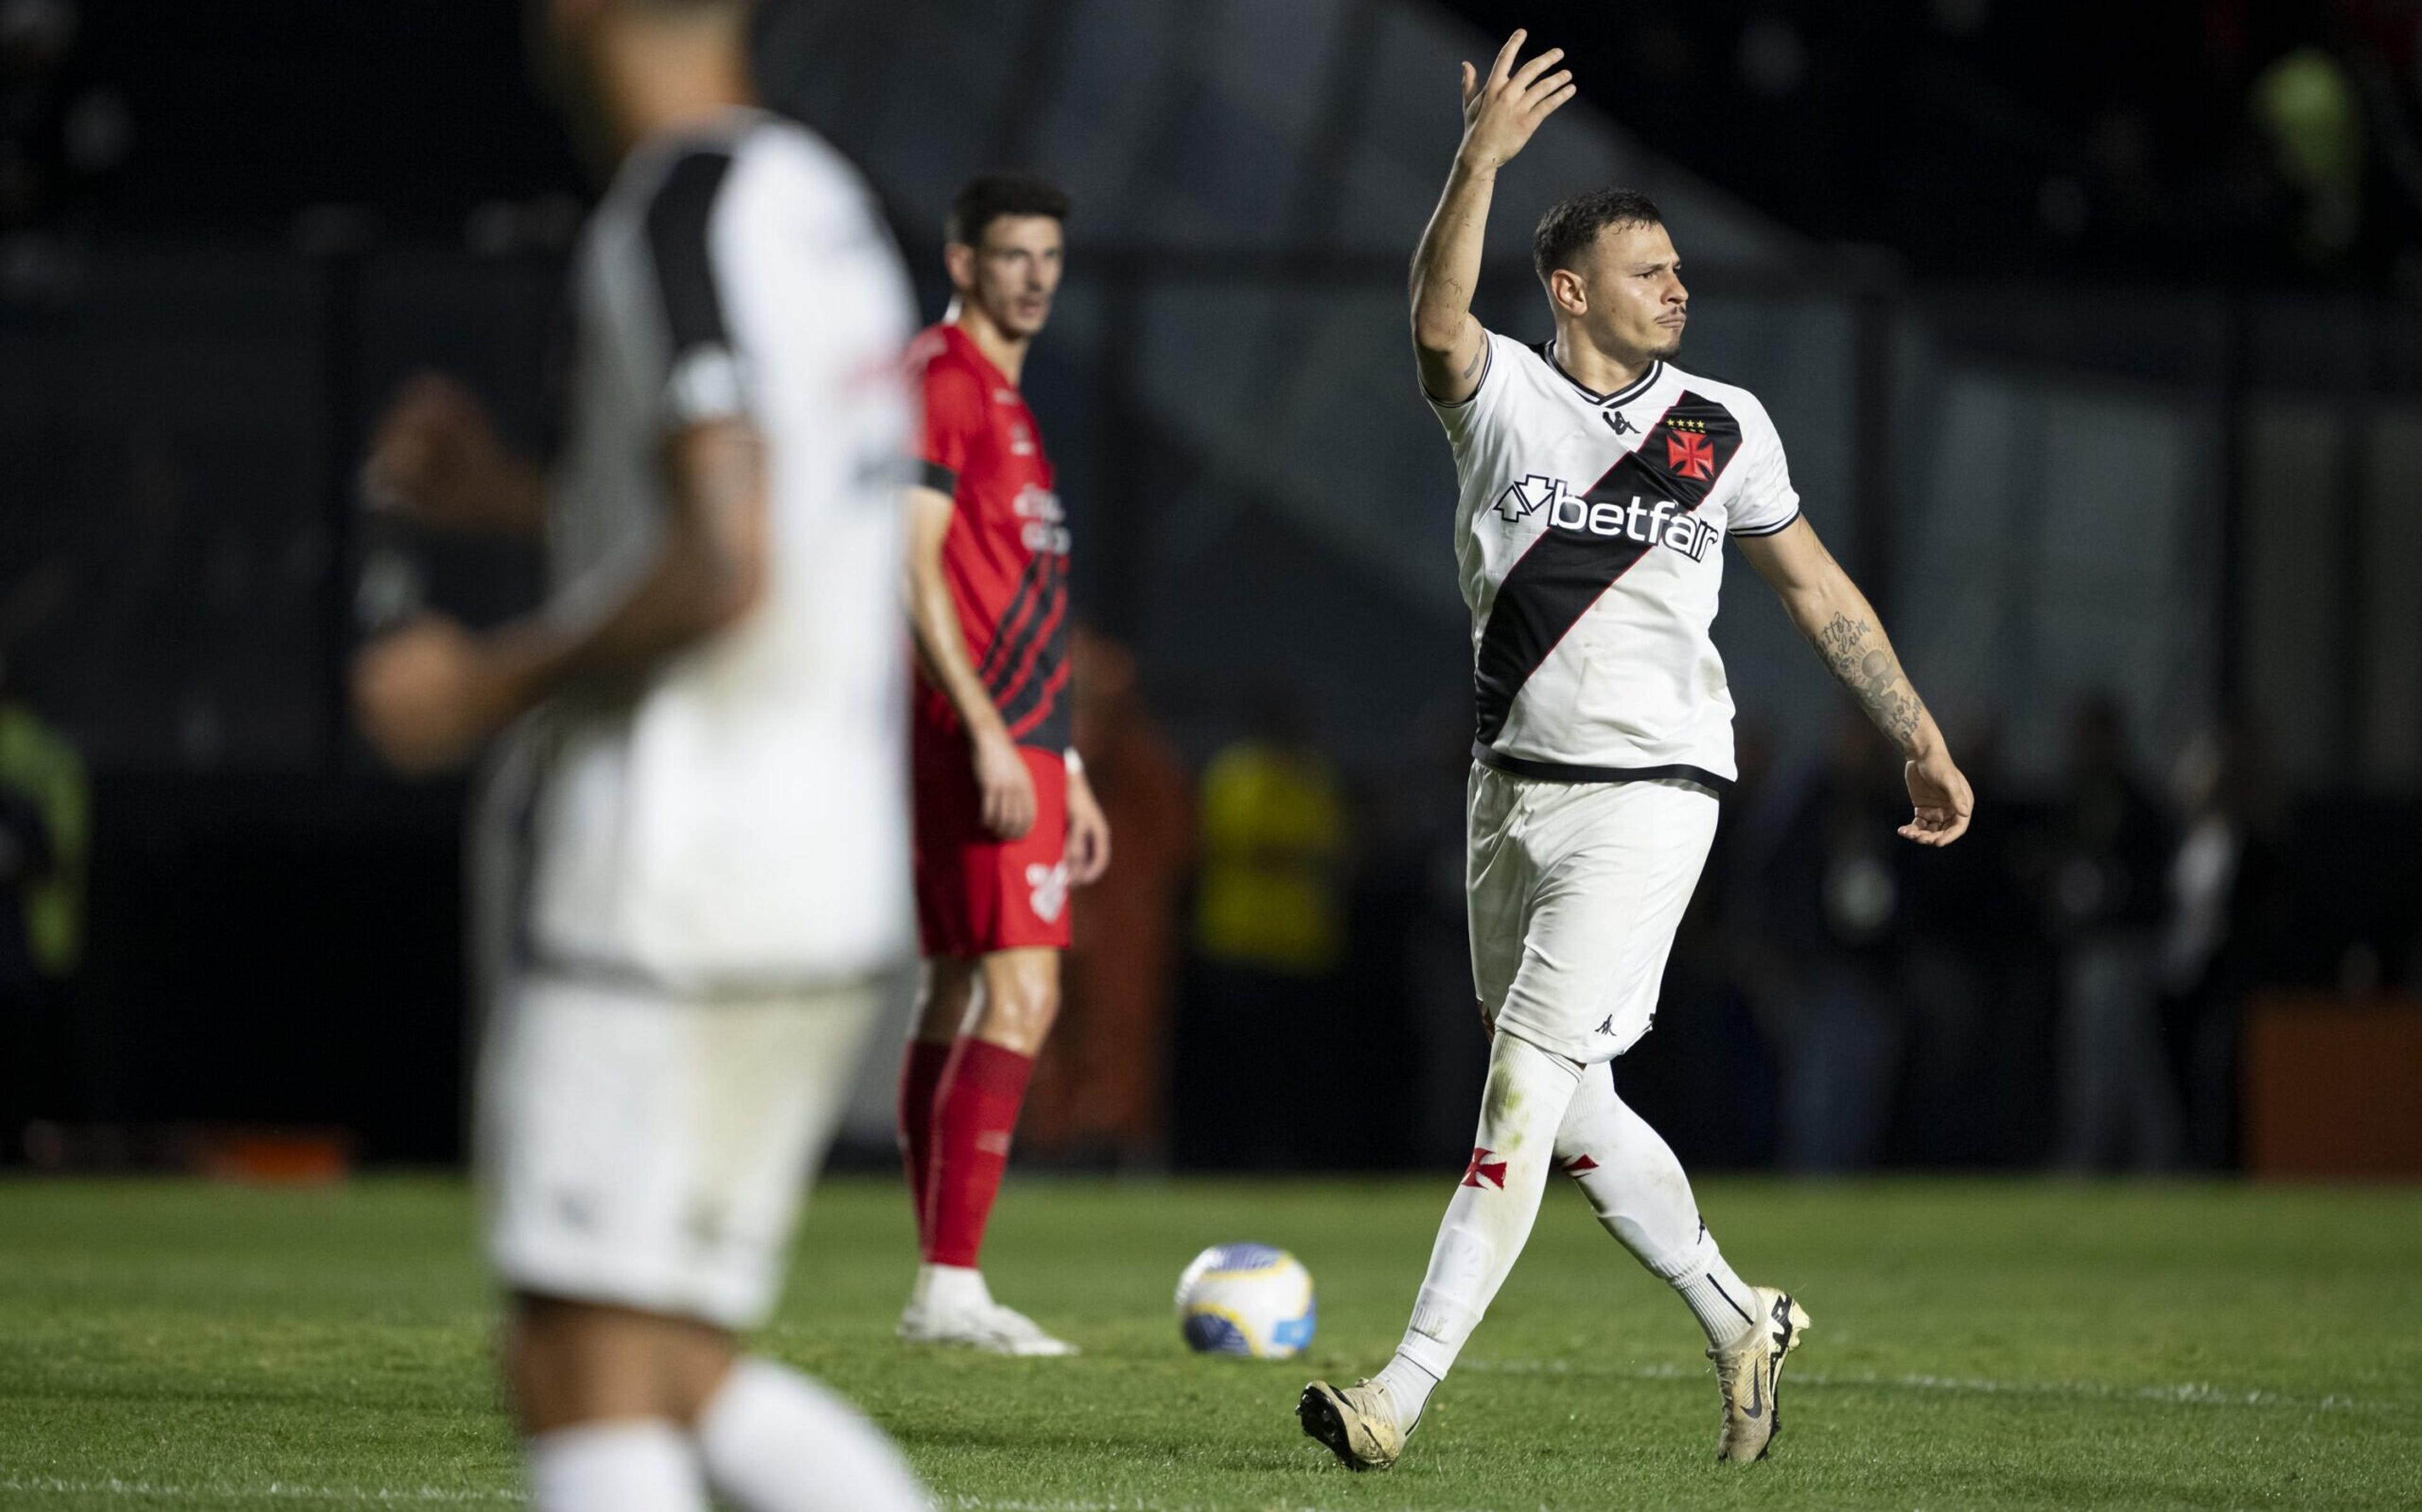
[1500,113]
[1840,623]
[432,692]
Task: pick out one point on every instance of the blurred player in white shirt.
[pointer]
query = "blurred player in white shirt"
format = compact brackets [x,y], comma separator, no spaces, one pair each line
[1599,483]
[719,902]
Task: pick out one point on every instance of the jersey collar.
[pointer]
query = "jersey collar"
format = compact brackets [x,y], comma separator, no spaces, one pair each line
[1631,391]
[956,337]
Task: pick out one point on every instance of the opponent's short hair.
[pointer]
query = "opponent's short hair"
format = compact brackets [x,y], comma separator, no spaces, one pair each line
[1571,226]
[989,197]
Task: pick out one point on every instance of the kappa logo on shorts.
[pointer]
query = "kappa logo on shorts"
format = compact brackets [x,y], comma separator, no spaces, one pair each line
[1607,1027]
[1051,885]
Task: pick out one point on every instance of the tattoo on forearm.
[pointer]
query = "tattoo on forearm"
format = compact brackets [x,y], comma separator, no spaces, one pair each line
[1856,652]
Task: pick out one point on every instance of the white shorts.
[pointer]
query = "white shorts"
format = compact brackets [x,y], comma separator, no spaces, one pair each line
[1575,892]
[650,1151]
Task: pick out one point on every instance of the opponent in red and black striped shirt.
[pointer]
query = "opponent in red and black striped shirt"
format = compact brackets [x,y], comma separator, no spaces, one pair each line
[1005,823]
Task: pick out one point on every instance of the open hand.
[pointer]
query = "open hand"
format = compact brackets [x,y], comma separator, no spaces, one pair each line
[1501,111]
[1941,796]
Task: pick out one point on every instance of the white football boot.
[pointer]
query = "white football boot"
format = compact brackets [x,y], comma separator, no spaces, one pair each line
[951,1307]
[1358,1423]
[1749,1376]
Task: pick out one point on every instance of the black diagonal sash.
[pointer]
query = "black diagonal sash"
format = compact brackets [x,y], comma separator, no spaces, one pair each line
[1545,594]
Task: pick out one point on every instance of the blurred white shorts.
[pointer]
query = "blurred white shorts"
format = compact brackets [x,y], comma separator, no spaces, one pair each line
[652,1152]
[1575,890]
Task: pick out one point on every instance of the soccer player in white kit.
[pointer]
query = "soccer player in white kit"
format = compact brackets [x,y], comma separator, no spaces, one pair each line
[717,689]
[1599,483]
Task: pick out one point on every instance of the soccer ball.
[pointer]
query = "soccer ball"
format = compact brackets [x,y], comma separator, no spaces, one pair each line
[1246,1299]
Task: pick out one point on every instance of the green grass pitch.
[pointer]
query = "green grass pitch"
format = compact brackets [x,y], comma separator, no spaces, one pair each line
[1976,1344]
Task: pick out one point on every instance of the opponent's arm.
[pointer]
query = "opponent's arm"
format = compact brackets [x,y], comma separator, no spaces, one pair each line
[430,693]
[1089,829]
[1006,787]
[438,458]
[1840,623]
[1499,116]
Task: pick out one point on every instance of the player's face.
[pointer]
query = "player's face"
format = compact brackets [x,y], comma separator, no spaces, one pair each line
[1014,274]
[1637,303]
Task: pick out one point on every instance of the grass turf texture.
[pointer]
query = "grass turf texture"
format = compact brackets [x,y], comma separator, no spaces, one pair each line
[1975,1344]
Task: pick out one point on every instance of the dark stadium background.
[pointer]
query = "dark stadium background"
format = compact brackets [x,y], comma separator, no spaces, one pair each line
[2096,333]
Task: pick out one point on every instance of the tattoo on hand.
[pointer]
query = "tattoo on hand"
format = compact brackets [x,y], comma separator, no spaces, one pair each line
[1872,674]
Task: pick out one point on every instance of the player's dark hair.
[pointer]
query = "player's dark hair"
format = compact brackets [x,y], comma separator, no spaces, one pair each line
[1570,227]
[989,197]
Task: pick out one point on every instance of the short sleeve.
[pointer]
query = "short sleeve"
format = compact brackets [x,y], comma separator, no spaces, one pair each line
[955,418]
[705,379]
[1764,502]
[1461,418]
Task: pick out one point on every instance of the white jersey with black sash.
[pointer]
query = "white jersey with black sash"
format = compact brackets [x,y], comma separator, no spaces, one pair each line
[739,822]
[1590,538]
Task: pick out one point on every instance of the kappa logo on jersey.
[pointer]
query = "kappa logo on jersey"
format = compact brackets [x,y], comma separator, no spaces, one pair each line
[1662,523]
[1620,426]
[1050,889]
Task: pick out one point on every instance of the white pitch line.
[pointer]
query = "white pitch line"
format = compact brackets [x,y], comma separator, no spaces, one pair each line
[2191,1394]
[145,1490]
[979,1504]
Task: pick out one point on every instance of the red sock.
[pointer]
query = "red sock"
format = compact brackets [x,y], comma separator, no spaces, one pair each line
[920,1078]
[975,1116]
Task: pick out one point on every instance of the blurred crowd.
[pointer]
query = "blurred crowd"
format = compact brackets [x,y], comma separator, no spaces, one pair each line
[63,131]
[2063,986]
[2206,137]
[45,829]
[1273,974]
[2194,137]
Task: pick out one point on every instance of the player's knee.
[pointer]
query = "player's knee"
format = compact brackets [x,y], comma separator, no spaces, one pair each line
[1024,1023]
[545,1366]
[1527,1093]
[1021,1000]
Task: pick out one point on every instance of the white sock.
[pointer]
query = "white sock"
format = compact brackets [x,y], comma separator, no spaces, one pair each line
[1490,1217]
[1410,1386]
[1638,1191]
[950,1288]
[775,1441]
[627,1465]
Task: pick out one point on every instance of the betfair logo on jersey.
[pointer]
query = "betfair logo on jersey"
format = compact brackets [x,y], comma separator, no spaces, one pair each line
[1662,522]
